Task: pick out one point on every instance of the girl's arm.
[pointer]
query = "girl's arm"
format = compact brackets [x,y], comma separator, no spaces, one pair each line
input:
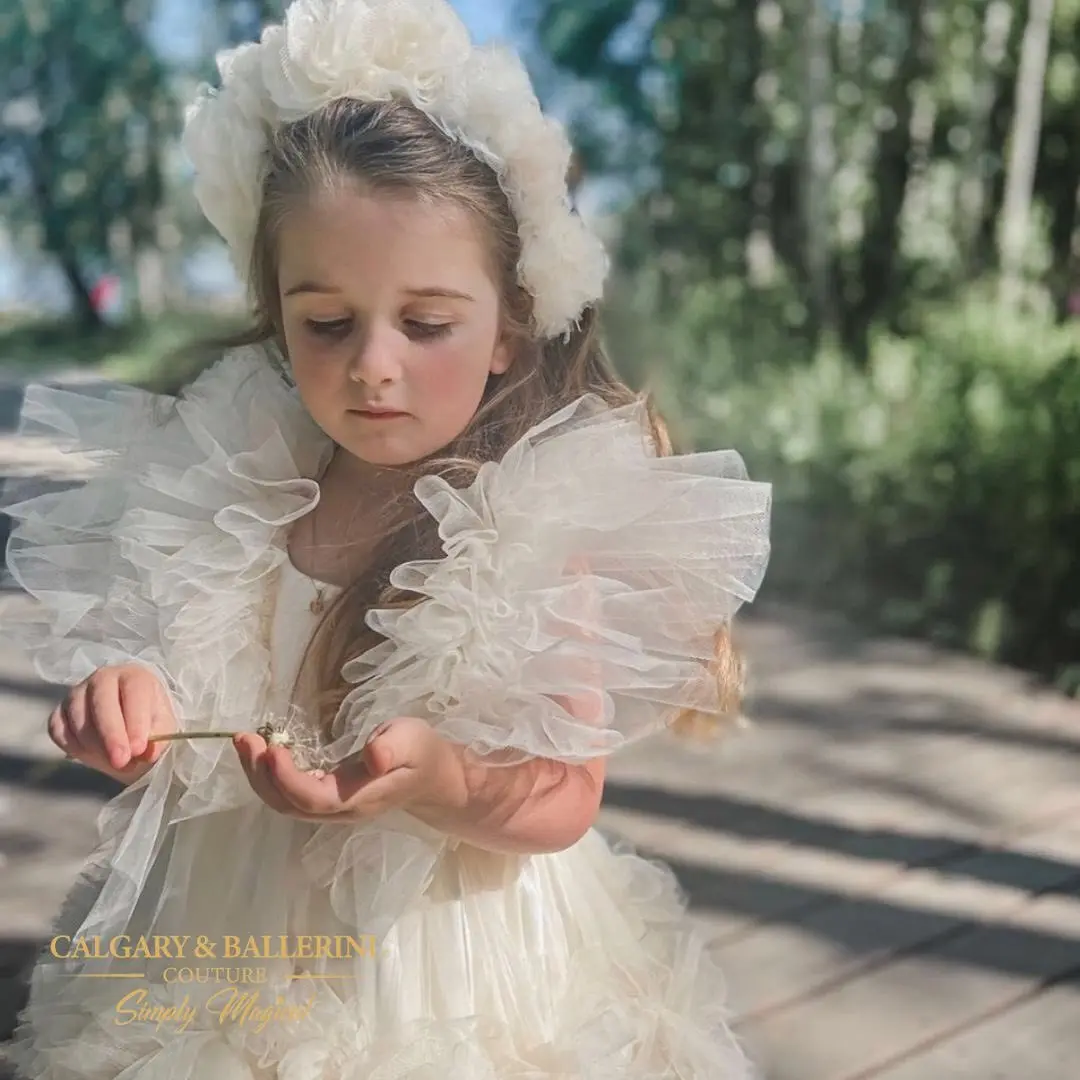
[539,805]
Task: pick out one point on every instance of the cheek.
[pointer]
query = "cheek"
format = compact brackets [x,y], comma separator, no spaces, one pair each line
[451,376]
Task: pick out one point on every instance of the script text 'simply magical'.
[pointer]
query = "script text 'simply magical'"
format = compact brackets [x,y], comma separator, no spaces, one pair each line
[234,1006]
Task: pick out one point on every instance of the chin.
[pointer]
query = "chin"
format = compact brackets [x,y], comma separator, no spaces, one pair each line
[386,460]
[383,452]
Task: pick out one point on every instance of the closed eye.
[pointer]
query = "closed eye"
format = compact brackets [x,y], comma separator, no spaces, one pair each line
[333,329]
[425,331]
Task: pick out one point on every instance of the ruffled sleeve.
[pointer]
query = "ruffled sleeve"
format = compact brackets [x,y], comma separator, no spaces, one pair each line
[580,568]
[162,552]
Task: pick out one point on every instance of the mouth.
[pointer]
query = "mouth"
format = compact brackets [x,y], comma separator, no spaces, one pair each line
[378,414]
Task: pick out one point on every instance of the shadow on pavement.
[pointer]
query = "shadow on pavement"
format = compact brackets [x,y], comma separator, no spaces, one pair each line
[869,925]
[58,775]
[732,816]
[11,397]
[31,688]
[16,958]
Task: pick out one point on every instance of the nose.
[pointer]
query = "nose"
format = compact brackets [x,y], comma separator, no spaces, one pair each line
[375,361]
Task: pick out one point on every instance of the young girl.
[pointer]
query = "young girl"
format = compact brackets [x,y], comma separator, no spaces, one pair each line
[420,562]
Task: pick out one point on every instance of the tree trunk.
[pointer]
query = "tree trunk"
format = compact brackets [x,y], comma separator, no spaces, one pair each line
[986,249]
[56,241]
[881,241]
[1064,223]
[972,194]
[1026,129]
[1058,171]
[85,312]
[819,161]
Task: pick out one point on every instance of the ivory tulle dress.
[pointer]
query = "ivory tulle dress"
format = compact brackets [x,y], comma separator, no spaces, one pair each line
[578,965]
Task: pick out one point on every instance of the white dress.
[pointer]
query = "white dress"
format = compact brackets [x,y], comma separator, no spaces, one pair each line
[441,961]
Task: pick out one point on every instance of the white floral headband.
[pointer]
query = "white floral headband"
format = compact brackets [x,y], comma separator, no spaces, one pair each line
[373,50]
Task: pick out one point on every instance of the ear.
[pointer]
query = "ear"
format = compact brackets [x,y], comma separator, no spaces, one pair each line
[502,356]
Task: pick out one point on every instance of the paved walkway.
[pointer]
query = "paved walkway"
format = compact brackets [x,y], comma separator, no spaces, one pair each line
[890,855]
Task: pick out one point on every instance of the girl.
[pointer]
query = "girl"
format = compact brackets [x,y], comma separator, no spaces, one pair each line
[425,560]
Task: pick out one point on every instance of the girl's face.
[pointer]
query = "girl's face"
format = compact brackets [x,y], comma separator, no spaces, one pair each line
[391,321]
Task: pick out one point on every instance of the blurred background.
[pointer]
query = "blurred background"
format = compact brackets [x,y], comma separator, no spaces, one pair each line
[847,243]
[847,236]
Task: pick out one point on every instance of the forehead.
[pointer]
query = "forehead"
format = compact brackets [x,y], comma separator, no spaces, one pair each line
[345,234]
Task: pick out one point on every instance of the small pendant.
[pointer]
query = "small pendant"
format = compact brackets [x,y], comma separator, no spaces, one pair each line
[317,605]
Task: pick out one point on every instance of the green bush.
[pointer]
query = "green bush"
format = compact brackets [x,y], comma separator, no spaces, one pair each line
[936,492]
[152,353]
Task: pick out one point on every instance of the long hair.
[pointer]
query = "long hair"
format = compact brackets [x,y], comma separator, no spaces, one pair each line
[393,148]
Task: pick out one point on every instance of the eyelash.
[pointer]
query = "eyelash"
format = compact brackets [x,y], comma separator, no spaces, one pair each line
[338,329]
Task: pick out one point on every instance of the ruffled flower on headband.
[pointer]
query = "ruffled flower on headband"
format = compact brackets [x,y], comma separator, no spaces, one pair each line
[419,50]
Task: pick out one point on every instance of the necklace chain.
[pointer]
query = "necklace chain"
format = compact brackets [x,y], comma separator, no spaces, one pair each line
[318,605]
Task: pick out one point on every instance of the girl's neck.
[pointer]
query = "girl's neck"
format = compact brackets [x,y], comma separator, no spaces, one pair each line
[358,506]
[361,479]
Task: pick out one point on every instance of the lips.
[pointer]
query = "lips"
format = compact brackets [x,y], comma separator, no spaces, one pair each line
[378,414]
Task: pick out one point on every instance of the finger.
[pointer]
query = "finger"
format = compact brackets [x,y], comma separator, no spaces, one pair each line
[162,720]
[107,720]
[138,705]
[395,745]
[252,753]
[249,752]
[80,731]
[58,732]
[380,753]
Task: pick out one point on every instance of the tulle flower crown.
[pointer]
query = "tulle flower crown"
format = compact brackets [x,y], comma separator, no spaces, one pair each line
[420,51]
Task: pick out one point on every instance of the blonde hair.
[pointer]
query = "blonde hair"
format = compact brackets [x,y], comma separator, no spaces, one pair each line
[393,148]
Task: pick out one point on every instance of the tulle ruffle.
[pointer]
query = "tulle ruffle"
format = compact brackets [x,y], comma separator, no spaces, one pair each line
[165,556]
[574,611]
[579,565]
[575,966]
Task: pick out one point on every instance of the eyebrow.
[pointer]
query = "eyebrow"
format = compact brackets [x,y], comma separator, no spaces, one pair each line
[451,294]
[316,287]
[310,287]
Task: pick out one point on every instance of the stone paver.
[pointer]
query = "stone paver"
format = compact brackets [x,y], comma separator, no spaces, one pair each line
[1035,1039]
[861,1027]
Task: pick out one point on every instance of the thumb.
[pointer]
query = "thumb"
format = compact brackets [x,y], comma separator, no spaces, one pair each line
[383,751]
[378,756]
[162,722]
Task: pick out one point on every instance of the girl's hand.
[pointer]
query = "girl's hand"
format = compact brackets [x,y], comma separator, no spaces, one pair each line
[402,764]
[106,721]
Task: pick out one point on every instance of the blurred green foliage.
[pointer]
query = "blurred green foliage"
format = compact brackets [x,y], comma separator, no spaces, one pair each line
[161,354]
[851,248]
[933,491]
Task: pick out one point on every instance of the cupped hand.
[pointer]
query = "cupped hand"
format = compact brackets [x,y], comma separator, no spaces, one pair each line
[401,764]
